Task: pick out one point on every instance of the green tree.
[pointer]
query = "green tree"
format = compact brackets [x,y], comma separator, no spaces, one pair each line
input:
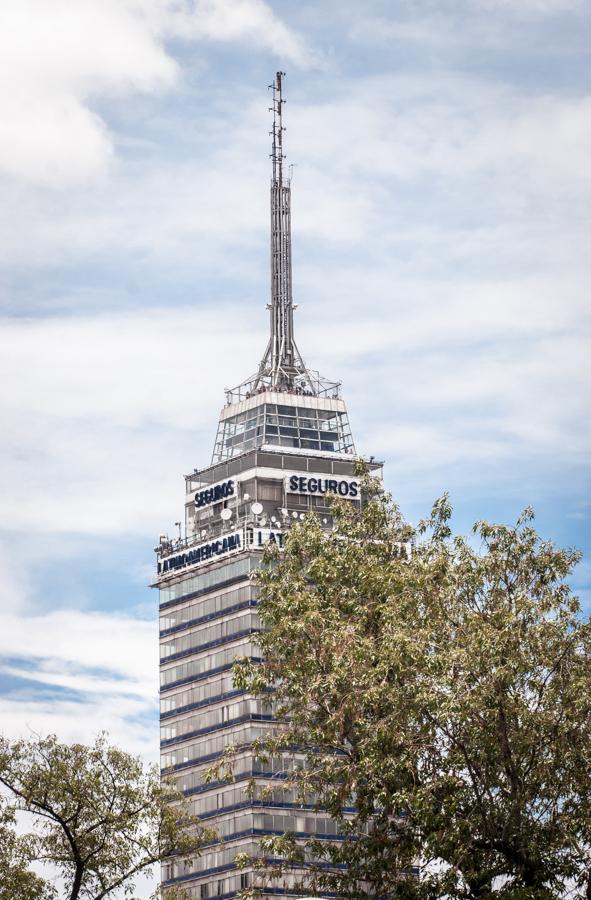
[100,818]
[444,693]
[17,881]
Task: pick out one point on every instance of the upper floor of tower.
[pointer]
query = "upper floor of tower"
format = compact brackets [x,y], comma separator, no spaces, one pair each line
[284,404]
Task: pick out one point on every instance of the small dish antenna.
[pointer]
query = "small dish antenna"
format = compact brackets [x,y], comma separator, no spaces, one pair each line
[256,508]
[226,514]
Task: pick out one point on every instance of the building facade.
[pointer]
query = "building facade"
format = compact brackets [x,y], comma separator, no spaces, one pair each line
[283,448]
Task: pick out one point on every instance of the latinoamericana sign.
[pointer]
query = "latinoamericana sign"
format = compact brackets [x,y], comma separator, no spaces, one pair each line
[242,539]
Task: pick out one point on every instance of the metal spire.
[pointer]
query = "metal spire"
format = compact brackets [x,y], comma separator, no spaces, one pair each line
[282,366]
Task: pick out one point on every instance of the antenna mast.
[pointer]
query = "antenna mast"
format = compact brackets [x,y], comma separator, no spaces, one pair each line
[282,367]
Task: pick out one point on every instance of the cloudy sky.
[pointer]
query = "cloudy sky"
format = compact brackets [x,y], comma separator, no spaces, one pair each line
[441,198]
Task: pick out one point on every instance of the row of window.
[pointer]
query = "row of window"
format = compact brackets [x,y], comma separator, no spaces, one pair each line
[207,607]
[304,429]
[207,580]
[273,409]
[214,744]
[202,635]
[287,462]
[309,421]
[208,662]
[245,821]
[216,687]
[222,886]
[242,766]
[212,718]
[284,437]
[209,859]
[241,793]
[287,428]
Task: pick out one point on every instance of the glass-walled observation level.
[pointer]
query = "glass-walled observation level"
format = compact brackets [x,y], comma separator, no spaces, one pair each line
[275,419]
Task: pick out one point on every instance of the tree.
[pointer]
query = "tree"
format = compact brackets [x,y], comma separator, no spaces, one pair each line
[16,878]
[100,818]
[444,693]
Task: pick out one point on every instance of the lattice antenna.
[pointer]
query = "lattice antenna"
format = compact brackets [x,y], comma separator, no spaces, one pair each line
[277,154]
[282,367]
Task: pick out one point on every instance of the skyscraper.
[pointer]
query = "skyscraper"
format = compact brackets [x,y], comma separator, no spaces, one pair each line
[283,447]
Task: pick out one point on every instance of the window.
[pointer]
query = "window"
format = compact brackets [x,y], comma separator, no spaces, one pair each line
[297,463]
[204,893]
[307,433]
[273,460]
[323,465]
[207,580]
[270,491]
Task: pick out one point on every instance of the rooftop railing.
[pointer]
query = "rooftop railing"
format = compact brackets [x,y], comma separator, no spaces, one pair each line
[310,384]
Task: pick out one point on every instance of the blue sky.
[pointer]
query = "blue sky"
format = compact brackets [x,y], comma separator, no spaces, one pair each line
[441,248]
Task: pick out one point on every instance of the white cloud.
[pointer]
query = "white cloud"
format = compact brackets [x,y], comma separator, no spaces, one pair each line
[449,162]
[234,20]
[130,723]
[118,645]
[105,663]
[107,412]
[58,58]
[102,418]
[448,126]
[530,7]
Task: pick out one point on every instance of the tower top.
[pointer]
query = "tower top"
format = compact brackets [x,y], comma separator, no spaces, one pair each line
[282,368]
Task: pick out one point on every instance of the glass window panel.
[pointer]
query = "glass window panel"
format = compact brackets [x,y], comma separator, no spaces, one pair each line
[297,463]
[209,662]
[207,579]
[311,435]
[342,468]
[322,465]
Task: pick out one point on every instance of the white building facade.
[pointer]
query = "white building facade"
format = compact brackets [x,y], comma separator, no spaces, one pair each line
[283,448]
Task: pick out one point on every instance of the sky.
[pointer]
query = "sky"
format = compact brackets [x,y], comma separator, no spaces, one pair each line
[441,196]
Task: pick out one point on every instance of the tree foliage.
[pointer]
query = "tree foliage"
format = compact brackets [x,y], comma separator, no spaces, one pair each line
[444,693]
[17,881]
[100,818]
